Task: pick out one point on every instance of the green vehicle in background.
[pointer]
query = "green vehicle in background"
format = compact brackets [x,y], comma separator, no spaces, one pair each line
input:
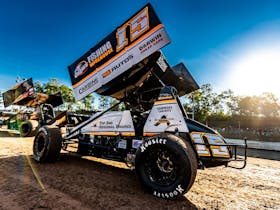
[36,112]
[13,123]
[19,122]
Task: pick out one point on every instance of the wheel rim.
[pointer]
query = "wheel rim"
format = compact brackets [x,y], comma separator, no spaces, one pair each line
[160,165]
[40,143]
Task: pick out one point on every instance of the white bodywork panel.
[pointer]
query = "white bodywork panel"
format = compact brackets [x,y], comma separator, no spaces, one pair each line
[111,123]
[165,116]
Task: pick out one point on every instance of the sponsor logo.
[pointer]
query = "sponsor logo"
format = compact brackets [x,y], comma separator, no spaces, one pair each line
[136,143]
[106,124]
[93,58]
[150,142]
[164,109]
[88,85]
[179,190]
[80,69]
[151,42]
[119,65]
[123,126]
[99,54]
[162,120]
[161,63]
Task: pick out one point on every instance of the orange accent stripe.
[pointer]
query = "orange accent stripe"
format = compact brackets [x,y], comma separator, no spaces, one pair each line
[111,133]
[205,155]
[118,55]
[150,134]
[103,133]
[127,134]
[223,156]
[165,101]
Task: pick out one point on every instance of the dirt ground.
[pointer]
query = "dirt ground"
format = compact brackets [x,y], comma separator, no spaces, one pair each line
[87,183]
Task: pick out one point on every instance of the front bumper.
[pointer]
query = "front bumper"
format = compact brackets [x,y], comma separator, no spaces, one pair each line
[238,153]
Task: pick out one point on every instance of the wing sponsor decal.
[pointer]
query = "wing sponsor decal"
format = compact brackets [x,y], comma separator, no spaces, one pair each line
[81,68]
[88,85]
[92,59]
[119,65]
[100,54]
[162,63]
[150,42]
[136,39]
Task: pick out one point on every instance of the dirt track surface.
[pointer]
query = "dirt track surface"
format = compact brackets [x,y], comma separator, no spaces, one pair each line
[86,183]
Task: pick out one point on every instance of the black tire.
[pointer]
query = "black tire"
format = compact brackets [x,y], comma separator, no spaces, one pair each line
[166,166]
[47,144]
[28,128]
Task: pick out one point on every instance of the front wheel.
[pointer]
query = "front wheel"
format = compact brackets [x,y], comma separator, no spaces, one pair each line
[166,166]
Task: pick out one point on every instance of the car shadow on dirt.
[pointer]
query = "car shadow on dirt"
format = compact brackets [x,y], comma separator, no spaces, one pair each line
[77,182]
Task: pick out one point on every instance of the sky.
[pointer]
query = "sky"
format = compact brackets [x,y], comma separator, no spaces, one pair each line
[230,44]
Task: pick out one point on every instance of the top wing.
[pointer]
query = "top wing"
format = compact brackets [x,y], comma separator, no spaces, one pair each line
[135,40]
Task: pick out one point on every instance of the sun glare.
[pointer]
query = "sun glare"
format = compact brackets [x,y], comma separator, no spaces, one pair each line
[256,72]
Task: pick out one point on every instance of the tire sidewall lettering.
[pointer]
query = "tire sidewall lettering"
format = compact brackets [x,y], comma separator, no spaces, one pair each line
[177,191]
[184,160]
[45,131]
[151,142]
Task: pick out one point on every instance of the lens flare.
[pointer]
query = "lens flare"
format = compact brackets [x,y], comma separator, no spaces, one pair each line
[256,72]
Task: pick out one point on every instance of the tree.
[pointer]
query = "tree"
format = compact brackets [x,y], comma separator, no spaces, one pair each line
[247,106]
[66,93]
[120,107]
[68,96]
[203,101]
[88,102]
[264,105]
[269,106]
[228,102]
[38,87]
[104,102]
[52,86]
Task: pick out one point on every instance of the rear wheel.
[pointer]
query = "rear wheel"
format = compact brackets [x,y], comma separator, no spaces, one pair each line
[47,144]
[28,128]
[166,166]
